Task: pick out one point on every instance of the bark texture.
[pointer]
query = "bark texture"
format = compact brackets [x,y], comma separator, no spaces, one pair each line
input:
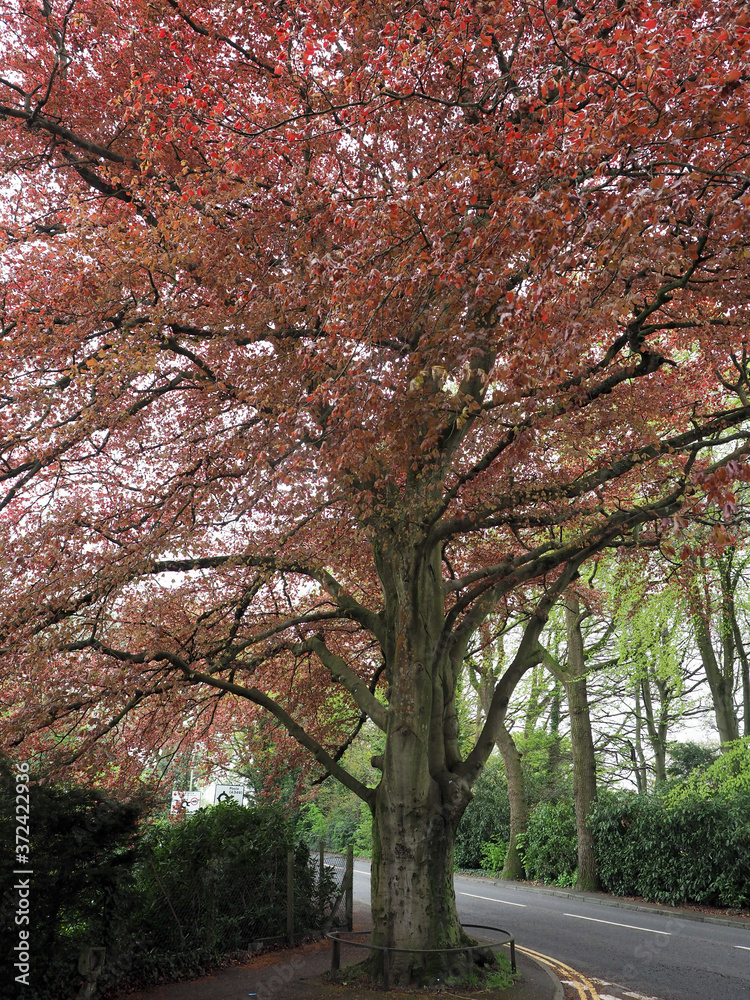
[413,900]
[720,681]
[582,744]
[513,867]
[426,785]
[657,723]
[421,797]
[637,756]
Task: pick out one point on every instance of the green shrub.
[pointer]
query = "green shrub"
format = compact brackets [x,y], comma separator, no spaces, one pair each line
[627,829]
[728,775]
[684,758]
[217,880]
[550,848]
[686,847]
[165,899]
[82,857]
[493,855]
[486,819]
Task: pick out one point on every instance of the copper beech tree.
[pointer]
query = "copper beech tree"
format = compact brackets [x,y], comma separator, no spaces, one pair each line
[330,328]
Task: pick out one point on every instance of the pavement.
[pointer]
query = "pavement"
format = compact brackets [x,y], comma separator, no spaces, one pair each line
[298,974]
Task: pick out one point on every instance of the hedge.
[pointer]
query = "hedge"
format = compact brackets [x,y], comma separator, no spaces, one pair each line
[690,850]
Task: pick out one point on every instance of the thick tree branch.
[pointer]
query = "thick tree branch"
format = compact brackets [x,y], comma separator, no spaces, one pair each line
[53,128]
[349,607]
[699,438]
[293,728]
[241,691]
[528,655]
[344,675]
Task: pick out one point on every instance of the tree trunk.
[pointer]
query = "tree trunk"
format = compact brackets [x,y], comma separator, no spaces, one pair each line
[745,673]
[584,780]
[519,811]
[537,703]
[721,686]
[483,679]
[554,726]
[425,784]
[420,798]
[657,730]
[639,761]
[582,744]
[413,900]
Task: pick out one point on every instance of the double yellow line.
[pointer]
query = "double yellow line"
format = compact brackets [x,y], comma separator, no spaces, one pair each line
[586,989]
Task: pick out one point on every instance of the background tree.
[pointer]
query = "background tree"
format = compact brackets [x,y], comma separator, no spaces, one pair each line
[713,594]
[484,677]
[572,673]
[329,329]
[685,757]
[656,672]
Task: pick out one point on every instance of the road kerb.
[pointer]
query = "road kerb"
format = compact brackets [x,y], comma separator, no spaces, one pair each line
[583,986]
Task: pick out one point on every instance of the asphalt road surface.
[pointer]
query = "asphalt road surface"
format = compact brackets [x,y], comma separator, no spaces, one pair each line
[650,954]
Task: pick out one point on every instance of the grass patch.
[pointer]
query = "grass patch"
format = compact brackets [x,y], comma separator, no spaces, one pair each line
[486,981]
[498,976]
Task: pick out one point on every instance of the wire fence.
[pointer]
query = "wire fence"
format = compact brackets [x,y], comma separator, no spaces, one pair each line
[180,920]
[336,869]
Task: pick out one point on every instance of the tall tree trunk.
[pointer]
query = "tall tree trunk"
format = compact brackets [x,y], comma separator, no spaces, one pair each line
[419,799]
[721,686]
[639,761]
[657,729]
[483,679]
[425,784]
[555,714]
[536,703]
[519,810]
[484,686]
[582,743]
[745,673]
[745,667]
[413,900]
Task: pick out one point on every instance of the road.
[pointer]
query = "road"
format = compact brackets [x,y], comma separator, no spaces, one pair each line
[649,954]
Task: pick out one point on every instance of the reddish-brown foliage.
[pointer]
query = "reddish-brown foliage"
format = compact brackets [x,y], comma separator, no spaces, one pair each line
[291,289]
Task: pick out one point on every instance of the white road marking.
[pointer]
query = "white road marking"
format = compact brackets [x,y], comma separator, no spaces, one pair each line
[742,947]
[361,872]
[613,923]
[491,899]
[625,993]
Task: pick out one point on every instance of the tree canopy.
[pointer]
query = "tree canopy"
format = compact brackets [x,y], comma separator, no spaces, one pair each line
[330,328]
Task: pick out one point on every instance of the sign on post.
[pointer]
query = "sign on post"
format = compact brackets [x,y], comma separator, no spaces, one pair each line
[216,793]
[189,802]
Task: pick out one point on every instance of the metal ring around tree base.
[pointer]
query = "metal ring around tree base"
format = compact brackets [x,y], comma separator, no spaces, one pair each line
[337,938]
